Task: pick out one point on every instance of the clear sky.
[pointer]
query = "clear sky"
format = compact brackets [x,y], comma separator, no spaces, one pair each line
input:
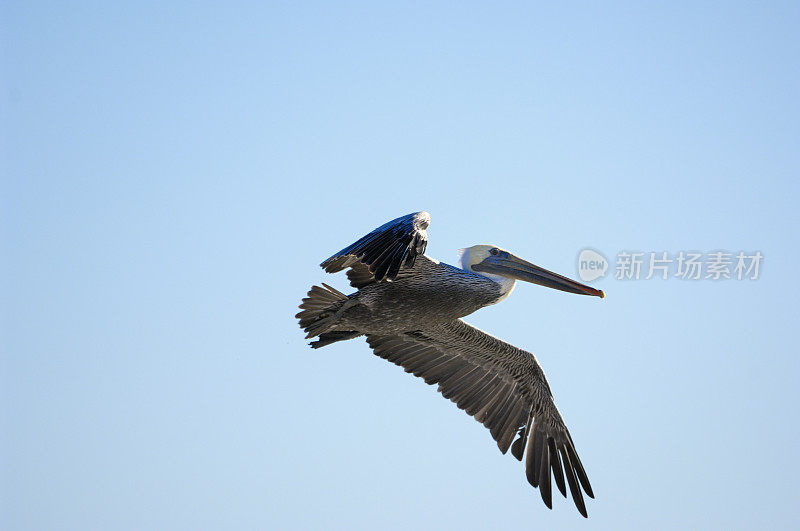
[173,174]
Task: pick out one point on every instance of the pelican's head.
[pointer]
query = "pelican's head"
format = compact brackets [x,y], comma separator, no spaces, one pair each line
[500,265]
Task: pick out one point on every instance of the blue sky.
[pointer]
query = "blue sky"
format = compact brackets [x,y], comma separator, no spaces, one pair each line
[174,174]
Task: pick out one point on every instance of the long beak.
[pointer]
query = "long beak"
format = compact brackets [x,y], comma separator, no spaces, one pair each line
[508,265]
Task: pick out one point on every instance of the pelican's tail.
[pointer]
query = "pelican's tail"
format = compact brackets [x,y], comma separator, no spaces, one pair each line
[320,311]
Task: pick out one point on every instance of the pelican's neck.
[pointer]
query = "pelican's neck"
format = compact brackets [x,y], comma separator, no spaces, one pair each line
[506,285]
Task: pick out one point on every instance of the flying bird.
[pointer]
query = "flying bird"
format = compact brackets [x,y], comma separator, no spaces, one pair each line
[409,306]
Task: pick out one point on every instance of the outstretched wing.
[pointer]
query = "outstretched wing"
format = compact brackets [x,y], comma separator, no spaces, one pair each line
[504,388]
[380,254]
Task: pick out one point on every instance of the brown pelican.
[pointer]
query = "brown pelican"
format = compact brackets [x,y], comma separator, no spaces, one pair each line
[409,307]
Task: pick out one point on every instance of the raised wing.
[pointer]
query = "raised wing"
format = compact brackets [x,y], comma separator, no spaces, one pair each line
[504,388]
[380,254]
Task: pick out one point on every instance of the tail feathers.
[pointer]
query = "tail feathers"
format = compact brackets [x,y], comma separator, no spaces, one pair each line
[319,308]
[332,337]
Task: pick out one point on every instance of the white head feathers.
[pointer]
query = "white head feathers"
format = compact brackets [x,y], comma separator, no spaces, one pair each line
[477,254]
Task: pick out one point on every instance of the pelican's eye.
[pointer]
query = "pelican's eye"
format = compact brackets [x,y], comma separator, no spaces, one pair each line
[494,251]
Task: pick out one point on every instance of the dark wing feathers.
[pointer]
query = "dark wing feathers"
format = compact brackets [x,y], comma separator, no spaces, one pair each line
[359,275]
[380,254]
[504,388]
[555,463]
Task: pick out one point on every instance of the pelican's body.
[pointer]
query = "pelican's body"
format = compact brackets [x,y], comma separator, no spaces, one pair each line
[410,306]
[429,292]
